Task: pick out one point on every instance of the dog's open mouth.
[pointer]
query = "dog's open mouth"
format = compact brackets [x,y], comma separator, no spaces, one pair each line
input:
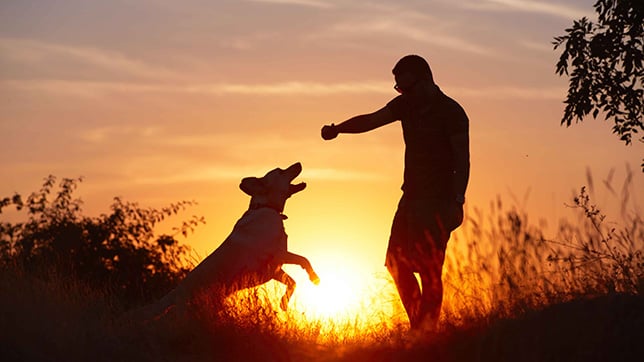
[297,187]
[293,171]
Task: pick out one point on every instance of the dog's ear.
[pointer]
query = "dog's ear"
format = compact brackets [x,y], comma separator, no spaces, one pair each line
[252,186]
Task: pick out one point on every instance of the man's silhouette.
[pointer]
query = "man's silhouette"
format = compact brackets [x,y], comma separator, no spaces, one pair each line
[435,130]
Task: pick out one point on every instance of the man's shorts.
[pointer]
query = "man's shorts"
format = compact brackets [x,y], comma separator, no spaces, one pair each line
[420,231]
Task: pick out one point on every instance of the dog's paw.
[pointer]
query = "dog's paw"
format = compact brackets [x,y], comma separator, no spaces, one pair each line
[315,279]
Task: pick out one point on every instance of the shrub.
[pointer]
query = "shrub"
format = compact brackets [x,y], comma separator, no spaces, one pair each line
[118,249]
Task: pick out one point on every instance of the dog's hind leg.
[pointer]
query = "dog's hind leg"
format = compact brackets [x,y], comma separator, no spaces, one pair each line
[282,277]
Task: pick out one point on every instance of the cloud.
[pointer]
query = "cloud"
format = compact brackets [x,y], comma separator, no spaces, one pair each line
[330,174]
[540,7]
[382,21]
[29,51]
[244,42]
[289,88]
[211,174]
[536,46]
[236,173]
[393,27]
[231,172]
[310,3]
[232,155]
[93,88]
[85,89]
[511,92]
[99,135]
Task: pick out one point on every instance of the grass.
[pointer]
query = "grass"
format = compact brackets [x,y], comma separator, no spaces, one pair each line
[511,294]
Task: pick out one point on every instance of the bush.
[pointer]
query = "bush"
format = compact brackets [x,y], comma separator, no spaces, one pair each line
[605,258]
[502,264]
[118,249]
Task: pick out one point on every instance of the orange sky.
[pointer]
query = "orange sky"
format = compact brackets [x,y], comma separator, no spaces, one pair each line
[159,101]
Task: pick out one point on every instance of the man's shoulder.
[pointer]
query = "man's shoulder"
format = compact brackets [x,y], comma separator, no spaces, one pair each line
[448,101]
[396,102]
[450,106]
[398,107]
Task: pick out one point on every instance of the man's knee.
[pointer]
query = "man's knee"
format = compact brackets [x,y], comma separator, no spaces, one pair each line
[392,266]
[396,262]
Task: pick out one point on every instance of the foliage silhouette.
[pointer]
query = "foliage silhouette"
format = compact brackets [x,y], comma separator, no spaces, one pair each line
[607,258]
[118,249]
[607,62]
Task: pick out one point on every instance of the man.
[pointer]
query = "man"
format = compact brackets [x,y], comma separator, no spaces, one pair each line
[435,130]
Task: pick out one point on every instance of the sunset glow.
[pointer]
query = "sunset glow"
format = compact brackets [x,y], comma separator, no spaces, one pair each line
[337,296]
[158,101]
[348,303]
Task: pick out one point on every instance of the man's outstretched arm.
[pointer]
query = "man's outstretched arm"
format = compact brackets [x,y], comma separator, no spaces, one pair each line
[359,124]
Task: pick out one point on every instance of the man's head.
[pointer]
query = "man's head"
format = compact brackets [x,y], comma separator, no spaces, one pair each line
[410,70]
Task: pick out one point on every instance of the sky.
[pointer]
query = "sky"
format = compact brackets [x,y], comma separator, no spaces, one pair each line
[158,101]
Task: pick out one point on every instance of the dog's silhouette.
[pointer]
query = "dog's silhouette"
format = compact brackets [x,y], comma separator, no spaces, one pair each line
[255,250]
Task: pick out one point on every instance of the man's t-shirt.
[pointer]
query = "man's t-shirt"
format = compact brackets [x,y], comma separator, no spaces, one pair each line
[427,128]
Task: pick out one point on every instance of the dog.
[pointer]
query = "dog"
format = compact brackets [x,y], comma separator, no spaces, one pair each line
[255,250]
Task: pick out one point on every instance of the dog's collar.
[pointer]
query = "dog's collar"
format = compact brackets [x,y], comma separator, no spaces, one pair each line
[261,206]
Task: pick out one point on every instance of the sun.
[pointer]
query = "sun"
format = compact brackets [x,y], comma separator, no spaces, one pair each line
[348,299]
[349,302]
[339,293]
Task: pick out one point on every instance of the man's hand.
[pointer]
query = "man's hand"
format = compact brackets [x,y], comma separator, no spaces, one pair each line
[329,132]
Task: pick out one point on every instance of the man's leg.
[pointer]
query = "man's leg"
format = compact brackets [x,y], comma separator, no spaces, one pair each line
[399,268]
[407,286]
[435,242]
[432,290]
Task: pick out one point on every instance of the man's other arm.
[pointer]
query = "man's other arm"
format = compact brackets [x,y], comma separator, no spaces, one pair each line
[461,150]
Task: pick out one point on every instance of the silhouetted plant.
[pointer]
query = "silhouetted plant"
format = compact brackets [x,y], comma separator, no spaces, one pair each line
[503,265]
[499,265]
[607,61]
[605,258]
[117,250]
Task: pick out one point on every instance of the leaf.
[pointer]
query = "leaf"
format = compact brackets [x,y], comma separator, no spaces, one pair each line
[604,63]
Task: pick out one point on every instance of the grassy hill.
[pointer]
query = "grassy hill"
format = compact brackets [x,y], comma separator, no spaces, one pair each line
[59,320]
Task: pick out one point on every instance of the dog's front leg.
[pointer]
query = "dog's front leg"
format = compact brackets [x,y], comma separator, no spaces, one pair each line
[290,258]
[282,277]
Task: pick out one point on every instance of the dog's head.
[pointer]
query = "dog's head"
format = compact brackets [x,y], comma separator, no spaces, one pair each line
[274,188]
